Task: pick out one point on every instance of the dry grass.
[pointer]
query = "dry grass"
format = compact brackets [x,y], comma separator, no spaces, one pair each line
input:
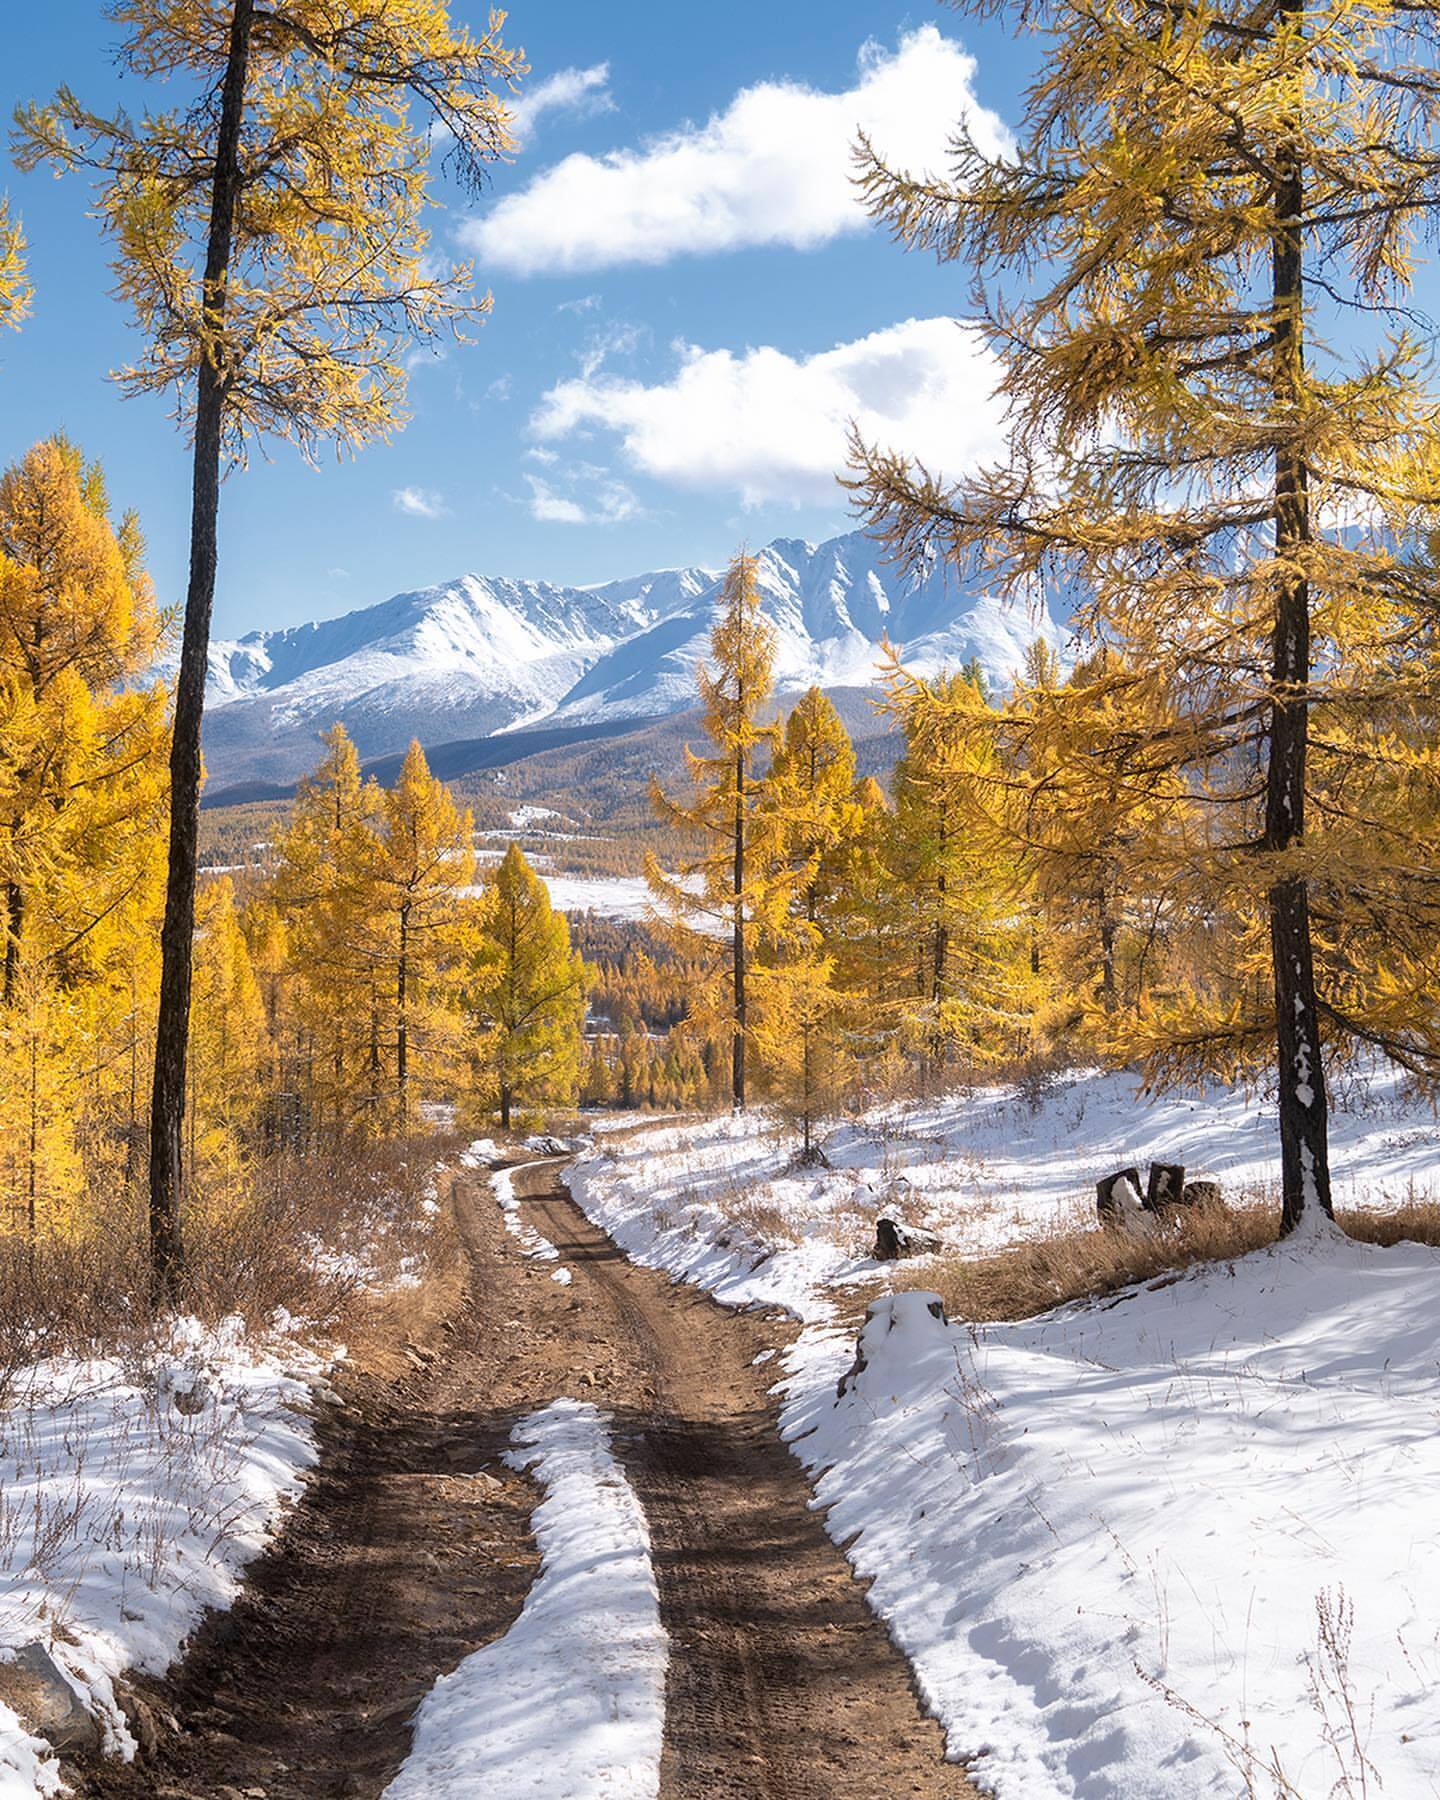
[338,1239]
[1090,1265]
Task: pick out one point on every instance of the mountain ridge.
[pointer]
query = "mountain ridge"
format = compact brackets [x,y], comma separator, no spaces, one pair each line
[482,656]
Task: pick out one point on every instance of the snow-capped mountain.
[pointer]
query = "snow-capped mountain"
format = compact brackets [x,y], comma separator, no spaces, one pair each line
[480,655]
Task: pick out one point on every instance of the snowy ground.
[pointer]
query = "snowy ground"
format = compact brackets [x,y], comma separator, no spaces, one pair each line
[132,1494]
[570,1703]
[1180,1544]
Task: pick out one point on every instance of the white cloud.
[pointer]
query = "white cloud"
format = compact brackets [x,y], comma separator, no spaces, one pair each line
[419,503]
[568,90]
[773,168]
[607,502]
[772,427]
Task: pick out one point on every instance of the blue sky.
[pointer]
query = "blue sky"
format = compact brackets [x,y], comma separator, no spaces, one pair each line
[686,303]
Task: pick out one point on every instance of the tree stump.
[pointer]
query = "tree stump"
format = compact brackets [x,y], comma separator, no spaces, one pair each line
[1112,1204]
[1200,1193]
[894,1241]
[1166,1186]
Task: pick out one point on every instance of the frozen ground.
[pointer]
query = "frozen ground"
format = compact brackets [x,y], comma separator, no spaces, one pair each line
[570,1703]
[132,1494]
[1180,1544]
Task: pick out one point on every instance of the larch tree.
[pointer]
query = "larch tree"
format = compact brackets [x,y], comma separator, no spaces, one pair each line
[1202,198]
[269,240]
[15,290]
[412,887]
[808,823]
[734,688]
[526,992]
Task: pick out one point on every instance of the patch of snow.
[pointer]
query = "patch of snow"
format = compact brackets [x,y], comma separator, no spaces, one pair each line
[123,1518]
[570,1703]
[535,1246]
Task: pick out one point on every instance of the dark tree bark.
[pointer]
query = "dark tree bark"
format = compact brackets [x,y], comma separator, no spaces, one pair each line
[1304,1152]
[167,1108]
[14,928]
[737,949]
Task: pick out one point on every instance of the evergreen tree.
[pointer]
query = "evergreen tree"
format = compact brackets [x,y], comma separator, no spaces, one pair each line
[527,991]
[270,242]
[733,691]
[1191,188]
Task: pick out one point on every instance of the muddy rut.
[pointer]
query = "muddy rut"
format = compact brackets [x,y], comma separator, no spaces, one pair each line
[399,1562]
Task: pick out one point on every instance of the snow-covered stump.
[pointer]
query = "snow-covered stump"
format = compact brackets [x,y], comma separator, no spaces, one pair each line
[913,1315]
[1117,1196]
[894,1241]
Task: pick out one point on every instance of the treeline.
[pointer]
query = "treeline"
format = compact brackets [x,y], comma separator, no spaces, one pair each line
[365,979]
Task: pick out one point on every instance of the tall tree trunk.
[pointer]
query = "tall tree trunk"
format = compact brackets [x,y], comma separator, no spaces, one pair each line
[1108,994]
[402,1018]
[1304,1151]
[505,1099]
[737,1044]
[172,1032]
[14,930]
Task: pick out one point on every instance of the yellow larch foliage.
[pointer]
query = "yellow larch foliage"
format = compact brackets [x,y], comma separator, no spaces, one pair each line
[726,883]
[15,290]
[1194,267]
[526,990]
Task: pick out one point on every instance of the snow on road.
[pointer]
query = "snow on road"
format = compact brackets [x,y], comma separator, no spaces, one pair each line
[124,1517]
[570,1703]
[533,1244]
[1182,1543]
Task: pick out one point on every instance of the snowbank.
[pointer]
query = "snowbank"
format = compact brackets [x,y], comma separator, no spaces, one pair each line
[1174,1544]
[570,1703]
[132,1494]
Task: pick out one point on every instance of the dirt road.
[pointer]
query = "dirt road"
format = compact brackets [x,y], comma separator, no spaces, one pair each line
[398,1562]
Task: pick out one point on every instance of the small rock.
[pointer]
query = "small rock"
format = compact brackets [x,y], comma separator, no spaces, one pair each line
[34,1686]
[141,1720]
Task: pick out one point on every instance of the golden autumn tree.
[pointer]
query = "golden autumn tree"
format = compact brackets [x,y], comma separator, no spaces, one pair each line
[324,892]
[526,992]
[725,883]
[15,292]
[409,887]
[809,823]
[229,1035]
[1194,269]
[952,905]
[269,241]
[82,795]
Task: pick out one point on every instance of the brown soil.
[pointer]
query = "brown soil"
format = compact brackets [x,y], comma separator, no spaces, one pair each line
[398,1562]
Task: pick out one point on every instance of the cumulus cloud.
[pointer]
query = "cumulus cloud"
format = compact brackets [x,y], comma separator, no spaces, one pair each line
[773,168]
[568,90]
[419,503]
[772,427]
[595,499]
